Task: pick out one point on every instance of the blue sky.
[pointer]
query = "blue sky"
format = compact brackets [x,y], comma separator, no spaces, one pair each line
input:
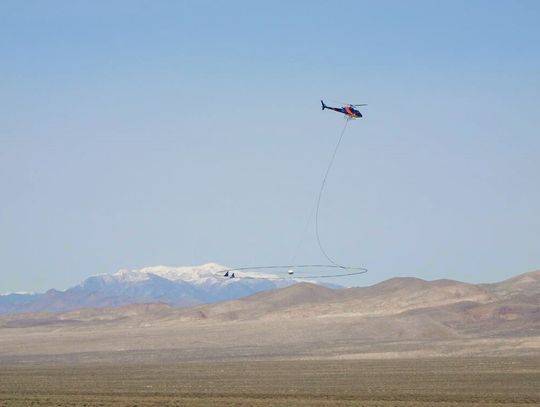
[184,132]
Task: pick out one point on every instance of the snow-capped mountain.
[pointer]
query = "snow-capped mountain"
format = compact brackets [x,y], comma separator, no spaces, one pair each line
[177,286]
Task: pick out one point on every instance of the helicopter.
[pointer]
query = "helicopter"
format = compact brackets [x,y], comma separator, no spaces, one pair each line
[349,110]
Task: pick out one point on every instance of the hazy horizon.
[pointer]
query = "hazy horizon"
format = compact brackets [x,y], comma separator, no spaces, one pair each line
[136,134]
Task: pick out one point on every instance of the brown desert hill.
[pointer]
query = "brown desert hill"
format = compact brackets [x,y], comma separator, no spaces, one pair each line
[265,303]
[398,308]
[405,293]
[523,284]
[401,316]
[303,300]
[83,317]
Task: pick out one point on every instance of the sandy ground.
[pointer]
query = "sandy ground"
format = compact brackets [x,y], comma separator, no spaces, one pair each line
[503,381]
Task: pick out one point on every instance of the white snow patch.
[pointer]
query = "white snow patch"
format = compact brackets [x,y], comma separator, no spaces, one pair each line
[17,293]
[205,274]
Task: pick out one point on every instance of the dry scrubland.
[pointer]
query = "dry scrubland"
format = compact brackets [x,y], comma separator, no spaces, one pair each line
[398,382]
[440,343]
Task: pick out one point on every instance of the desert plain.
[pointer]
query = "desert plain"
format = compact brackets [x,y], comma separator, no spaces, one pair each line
[403,342]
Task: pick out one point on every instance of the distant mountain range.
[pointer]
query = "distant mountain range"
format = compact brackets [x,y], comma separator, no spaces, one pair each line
[176,286]
[400,317]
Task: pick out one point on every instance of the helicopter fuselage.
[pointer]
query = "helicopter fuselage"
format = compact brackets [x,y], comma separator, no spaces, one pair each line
[349,111]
